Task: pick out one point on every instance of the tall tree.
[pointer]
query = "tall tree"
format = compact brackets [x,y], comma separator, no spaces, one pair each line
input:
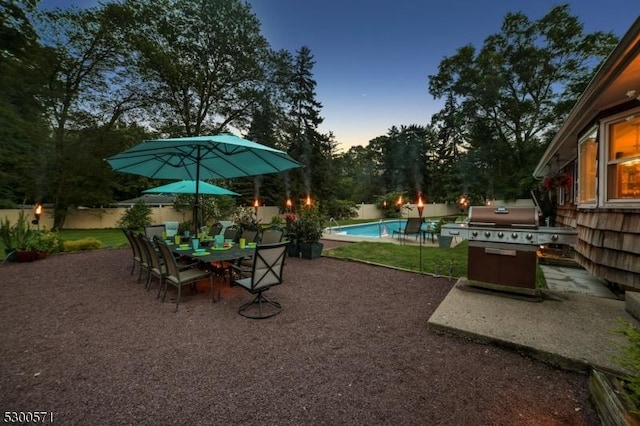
[87,87]
[515,91]
[306,144]
[358,178]
[202,63]
[22,129]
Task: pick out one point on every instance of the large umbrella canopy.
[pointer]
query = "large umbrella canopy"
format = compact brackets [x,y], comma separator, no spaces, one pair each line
[221,156]
[189,187]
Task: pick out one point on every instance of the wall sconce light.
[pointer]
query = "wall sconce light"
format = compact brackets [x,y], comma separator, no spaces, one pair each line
[633,94]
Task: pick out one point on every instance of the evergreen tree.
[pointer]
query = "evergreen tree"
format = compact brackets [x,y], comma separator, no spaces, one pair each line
[311,148]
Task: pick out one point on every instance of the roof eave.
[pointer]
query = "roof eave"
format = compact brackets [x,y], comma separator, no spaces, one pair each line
[587,106]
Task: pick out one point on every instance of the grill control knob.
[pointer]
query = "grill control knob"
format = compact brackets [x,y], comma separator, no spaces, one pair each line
[500,234]
[529,236]
[554,237]
[487,234]
[514,236]
[474,233]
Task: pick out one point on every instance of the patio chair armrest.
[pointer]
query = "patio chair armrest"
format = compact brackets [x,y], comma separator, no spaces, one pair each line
[244,272]
[183,266]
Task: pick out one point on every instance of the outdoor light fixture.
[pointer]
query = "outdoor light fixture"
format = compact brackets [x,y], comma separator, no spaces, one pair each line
[399,203]
[420,205]
[421,235]
[37,212]
[463,202]
[256,204]
[633,94]
[289,205]
[308,202]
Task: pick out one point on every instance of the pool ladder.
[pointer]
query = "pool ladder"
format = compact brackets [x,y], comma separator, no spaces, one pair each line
[331,219]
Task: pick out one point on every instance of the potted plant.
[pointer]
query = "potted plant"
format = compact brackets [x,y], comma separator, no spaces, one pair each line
[310,228]
[444,241]
[291,234]
[18,239]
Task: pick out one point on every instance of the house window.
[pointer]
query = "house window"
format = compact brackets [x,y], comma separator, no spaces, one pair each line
[561,196]
[587,166]
[623,159]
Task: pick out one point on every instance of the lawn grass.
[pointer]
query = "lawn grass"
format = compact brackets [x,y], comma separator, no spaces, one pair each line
[435,260]
[110,238]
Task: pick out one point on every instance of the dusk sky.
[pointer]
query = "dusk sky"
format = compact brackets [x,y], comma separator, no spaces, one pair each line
[373,57]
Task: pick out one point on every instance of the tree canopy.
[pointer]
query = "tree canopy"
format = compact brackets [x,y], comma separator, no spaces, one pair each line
[79,85]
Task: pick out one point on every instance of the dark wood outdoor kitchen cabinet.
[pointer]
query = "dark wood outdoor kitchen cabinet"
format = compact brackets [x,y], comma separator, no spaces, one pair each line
[503,264]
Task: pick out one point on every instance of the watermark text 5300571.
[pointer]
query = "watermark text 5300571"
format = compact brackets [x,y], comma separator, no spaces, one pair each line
[22,417]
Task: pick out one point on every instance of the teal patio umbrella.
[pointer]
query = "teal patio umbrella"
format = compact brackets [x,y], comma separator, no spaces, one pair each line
[221,156]
[189,187]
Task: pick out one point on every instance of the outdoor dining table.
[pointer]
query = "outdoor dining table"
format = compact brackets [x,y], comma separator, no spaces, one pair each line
[215,254]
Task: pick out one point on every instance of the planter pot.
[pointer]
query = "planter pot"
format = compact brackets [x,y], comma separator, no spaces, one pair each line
[41,255]
[26,256]
[311,250]
[293,249]
[444,241]
[608,396]
[10,254]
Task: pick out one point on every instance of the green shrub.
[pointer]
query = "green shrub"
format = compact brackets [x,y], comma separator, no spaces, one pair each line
[388,204]
[340,209]
[83,244]
[630,359]
[46,241]
[136,217]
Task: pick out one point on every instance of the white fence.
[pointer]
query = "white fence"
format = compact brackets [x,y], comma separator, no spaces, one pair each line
[108,217]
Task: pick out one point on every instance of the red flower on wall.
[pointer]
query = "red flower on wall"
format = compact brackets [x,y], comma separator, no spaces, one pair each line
[557,180]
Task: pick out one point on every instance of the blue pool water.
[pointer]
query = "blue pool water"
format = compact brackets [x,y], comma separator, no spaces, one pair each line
[370,230]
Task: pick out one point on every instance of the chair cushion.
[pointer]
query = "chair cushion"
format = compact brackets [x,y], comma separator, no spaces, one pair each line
[244,282]
[171,228]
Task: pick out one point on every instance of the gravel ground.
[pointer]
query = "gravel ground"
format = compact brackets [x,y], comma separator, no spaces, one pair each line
[81,339]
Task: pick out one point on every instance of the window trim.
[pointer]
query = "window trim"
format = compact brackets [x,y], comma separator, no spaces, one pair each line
[591,204]
[603,196]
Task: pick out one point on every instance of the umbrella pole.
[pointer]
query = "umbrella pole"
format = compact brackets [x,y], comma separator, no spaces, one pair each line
[197,203]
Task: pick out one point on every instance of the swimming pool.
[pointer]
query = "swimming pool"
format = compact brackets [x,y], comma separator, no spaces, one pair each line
[380,229]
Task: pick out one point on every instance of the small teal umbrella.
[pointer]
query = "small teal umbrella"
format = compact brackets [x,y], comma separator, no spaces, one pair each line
[221,156]
[189,187]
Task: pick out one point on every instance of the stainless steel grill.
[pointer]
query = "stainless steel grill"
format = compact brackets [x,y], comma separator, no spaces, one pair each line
[503,244]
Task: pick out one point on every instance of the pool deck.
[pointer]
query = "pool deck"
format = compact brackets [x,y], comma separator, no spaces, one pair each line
[411,240]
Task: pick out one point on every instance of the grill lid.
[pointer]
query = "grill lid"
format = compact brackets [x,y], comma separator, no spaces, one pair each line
[487,216]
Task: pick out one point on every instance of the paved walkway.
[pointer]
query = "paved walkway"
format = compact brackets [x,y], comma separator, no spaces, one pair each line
[575,280]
